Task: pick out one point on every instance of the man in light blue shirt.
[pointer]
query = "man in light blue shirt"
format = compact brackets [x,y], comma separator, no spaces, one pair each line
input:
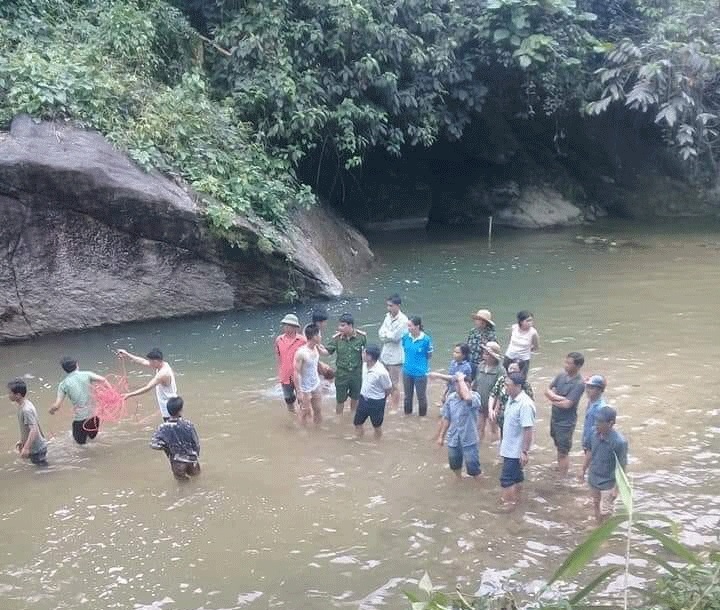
[518,429]
[459,421]
[594,388]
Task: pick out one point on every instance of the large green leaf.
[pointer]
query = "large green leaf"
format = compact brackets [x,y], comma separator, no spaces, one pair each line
[584,552]
[592,585]
[624,487]
[675,573]
[670,544]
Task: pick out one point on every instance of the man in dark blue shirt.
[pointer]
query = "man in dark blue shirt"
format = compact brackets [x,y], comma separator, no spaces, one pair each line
[607,447]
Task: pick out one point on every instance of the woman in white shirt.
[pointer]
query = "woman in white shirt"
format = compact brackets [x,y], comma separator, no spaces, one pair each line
[524,342]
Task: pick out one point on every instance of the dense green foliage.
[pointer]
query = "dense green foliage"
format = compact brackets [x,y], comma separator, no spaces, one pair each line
[235,96]
[127,70]
[667,61]
[351,75]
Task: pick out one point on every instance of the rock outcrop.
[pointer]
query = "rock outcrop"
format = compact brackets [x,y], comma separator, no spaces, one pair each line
[539,208]
[88,239]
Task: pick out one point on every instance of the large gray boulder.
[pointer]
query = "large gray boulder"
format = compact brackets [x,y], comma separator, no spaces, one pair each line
[87,238]
[539,207]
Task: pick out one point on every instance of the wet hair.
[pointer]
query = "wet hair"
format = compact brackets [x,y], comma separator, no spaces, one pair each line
[606,414]
[311,331]
[373,351]
[17,386]
[68,364]
[523,315]
[319,314]
[174,405]
[347,319]
[516,378]
[465,349]
[577,358]
[154,354]
[417,321]
[394,299]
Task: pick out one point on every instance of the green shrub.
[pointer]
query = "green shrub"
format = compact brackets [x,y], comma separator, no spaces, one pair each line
[125,69]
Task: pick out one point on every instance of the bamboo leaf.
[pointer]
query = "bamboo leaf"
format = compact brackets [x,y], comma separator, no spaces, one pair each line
[662,563]
[671,545]
[425,584]
[592,585]
[624,487]
[583,553]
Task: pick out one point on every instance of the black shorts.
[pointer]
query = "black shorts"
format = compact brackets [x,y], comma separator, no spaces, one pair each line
[512,472]
[372,408]
[288,390]
[88,428]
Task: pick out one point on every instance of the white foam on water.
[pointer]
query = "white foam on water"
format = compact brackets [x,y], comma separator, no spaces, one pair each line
[246,598]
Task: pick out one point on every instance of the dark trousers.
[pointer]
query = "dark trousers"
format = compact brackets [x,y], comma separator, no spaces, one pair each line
[419,384]
[82,430]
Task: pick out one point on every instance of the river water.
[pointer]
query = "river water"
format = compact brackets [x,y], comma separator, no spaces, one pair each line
[282,517]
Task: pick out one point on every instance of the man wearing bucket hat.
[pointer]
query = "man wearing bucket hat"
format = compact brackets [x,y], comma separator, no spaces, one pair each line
[483,332]
[286,345]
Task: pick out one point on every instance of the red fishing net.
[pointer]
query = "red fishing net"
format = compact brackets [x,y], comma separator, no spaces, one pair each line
[109,402]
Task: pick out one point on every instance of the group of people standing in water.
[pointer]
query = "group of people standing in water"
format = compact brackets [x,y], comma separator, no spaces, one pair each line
[176,436]
[486,394]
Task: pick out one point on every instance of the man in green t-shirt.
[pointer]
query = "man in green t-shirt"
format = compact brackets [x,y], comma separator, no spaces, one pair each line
[77,386]
[348,345]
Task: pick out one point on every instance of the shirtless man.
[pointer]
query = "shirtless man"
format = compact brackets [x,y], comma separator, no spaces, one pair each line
[163,381]
[307,379]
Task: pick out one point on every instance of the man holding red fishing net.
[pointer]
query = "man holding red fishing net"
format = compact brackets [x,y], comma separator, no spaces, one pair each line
[77,387]
[163,381]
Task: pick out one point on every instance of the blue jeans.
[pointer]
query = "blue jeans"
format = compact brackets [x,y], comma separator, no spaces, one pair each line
[470,455]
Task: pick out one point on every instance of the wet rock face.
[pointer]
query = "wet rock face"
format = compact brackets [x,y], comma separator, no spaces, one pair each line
[87,239]
[539,208]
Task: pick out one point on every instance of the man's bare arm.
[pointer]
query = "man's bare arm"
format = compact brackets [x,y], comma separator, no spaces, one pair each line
[138,359]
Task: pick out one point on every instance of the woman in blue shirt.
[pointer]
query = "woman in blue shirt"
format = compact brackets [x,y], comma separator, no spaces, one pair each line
[418,350]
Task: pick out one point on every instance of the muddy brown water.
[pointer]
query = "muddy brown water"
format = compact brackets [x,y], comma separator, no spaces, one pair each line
[293,518]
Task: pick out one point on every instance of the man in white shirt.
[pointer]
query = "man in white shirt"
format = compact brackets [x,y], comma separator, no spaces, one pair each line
[517,438]
[163,381]
[391,332]
[376,386]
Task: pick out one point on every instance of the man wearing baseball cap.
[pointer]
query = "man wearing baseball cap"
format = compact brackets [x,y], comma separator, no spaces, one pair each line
[286,345]
[594,387]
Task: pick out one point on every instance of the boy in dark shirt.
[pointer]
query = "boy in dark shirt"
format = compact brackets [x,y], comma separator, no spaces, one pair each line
[178,438]
[607,447]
